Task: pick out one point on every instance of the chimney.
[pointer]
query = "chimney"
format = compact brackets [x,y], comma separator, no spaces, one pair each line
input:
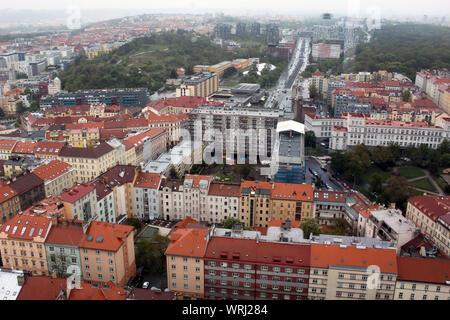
[54,220]
[20,280]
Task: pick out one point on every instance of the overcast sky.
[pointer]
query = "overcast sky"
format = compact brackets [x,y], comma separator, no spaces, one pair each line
[387,8]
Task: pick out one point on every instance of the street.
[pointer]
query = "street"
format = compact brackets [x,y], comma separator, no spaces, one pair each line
[313,164]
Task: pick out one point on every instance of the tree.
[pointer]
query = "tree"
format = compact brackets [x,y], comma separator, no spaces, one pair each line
[406,96]
[310,139]
[398,191]
[339,162]
[310,225]
[376,183]
[173,174]
[150,253]
[313,93]
[382,157]
[173,74]
[135,222]
[228,223]
[229,72]
[20,108]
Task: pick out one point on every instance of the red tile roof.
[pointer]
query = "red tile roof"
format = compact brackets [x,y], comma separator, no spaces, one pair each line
[24,147]
[323,256]
[423,269]
[65,233]
[112,236]
[290,191]
[432,206]
[50,206]
[139,138]
[330,196]
[187,242]
[52,170]
[48,147]
[6,193]
[41,288]
[76,192]
[26,227]
[6,144]
[148,180]
[145,294]
[223,189]
[88,292]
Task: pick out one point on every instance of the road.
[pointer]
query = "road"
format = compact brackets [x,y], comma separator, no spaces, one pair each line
[281,96]
[313,164]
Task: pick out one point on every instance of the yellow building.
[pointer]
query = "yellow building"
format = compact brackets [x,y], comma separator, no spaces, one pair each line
[255,206]
[240,63]
[9,203]
[200,68]
[84,138]
[88,163]
[199,85]
[22,241]
[57,176]
[444,99]
[291,201]
[220,67]
[6,148]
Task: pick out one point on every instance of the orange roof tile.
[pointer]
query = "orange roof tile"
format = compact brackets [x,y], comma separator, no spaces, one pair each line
[323,256]
[88,292]
[52,170]
[148,180]
[105,236]
[423,269]
[26,227]
[290,191]
[189,243]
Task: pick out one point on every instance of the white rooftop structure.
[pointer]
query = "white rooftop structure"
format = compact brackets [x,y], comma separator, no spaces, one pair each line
[395,220]
[291,125]
[9,284]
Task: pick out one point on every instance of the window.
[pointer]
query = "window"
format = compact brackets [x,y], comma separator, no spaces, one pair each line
[185,277]
[264,268]
[341,276]
[400,295]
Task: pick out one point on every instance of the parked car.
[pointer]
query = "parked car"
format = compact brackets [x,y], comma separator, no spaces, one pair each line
[145,285]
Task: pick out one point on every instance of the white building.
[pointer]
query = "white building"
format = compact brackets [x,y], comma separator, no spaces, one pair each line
[322,127]
[390,225]
[360,129]
[146,195]
[222,202]
[11,282]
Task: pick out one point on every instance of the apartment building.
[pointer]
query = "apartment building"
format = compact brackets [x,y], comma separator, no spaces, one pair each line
[422,279]
[185,264]
[146,197]
[341,272]
[431,215]
[201,84]
[22,241]
[62,247]
[322,127]
[444,98]
[390,225]
[195,194]
[57,176]
[48,149]
[105,201]
[80,202]
[107,253]
[291,201]
[229,121]
[88,163]
[255,207]
[172,199]
[222,202]
[147,145]
[6,148]
[84,137]
[172,123]
[30,189]
[360,129]
[9,203]
[249,269]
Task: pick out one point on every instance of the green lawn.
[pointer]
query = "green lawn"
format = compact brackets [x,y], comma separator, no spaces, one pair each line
[441,182]
[372,170]
[411,172]
[423,184]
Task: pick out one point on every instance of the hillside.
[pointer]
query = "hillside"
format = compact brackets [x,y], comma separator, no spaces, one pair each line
[148,62]
[404,48]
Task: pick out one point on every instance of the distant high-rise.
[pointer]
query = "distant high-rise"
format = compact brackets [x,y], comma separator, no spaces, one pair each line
[223,31]
[241,29]
[255,29]
[272,34]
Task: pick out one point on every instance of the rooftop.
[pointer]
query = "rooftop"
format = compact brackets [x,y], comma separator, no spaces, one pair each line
[52,170]
[76,192]
[105,236]
[424,270]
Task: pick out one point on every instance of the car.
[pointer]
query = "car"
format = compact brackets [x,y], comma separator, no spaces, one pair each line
[347,187]
[145,285]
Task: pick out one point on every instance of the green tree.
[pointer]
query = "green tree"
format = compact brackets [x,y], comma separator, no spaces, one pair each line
[135,222]
[173,74]
[376,183]
[310,226]
[20,107]
[310,139]
[313,93]
[150,253]
[406,96]
[228,223]
[229,72]
[173,174]
[397,191]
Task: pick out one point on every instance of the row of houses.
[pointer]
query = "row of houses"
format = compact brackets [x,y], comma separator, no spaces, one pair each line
[235,264]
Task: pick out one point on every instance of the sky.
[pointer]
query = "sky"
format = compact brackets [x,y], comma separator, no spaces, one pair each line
[387,8]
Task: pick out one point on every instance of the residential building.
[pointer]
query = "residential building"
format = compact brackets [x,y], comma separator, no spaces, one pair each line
[255,207]
[57,176]
[340,272]
[291,201]
[172,199]
[322,127]
[9,203]
[146,197]
[22,241]
[390,225]
[195,194]
[30,189]
[185,264]
[80,202]
[43,288]
[6,148]
[88,163]
[147,145]
[431,215]
[222,202]
[199,85]
[422,279]
[62,248]
[105,201]
[107,253]
[12,282]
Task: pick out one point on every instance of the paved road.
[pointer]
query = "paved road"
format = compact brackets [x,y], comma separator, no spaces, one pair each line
[313,164]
